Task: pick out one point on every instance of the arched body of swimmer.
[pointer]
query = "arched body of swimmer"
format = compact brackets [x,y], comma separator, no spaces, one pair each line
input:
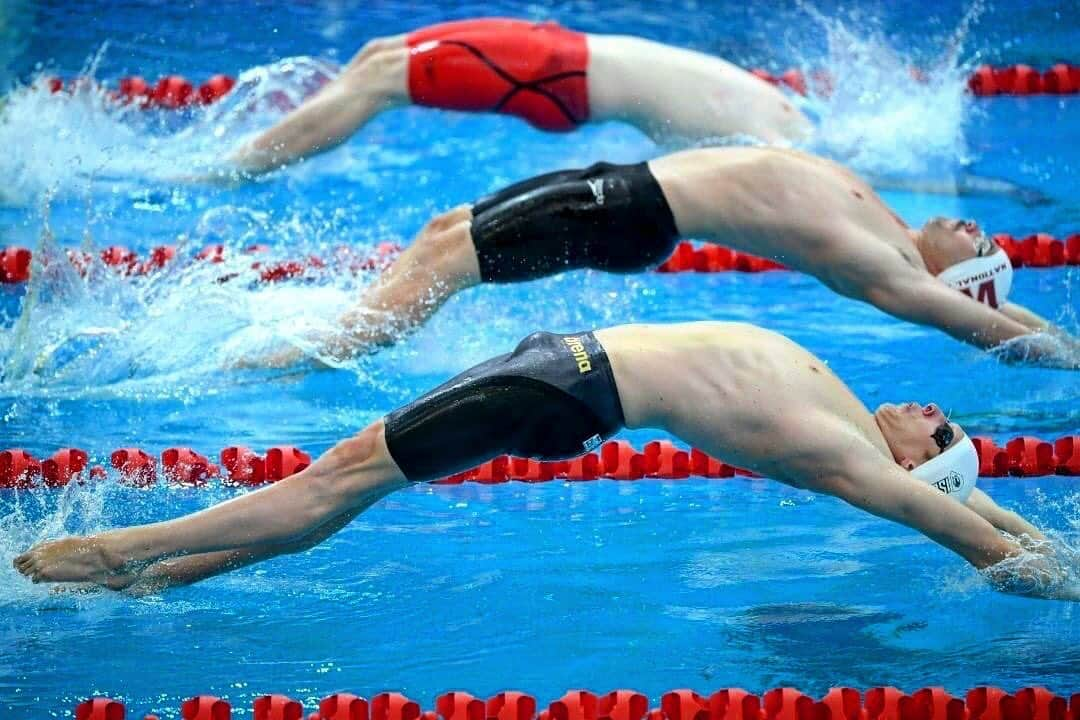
[555,78]
[739,392]
[811,214]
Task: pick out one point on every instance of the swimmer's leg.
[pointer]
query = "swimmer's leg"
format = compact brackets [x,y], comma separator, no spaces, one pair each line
[346,480]
[606,217]
[373,81]
[553,397]
[190,569]
[440,262]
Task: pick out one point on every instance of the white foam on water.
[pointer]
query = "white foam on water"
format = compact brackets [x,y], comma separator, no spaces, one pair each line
[887,110]
[83,139]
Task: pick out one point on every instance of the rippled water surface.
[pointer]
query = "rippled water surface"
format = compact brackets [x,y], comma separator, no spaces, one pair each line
[601,585]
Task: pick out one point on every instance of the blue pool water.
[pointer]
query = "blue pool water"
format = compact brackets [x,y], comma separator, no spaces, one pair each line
[648,585]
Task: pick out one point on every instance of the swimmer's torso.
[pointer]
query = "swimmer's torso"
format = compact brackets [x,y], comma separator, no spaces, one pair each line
[806,212]
[743,393]
[682,93]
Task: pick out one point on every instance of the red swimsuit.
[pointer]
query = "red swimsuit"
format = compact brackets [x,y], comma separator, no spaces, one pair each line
[533,70]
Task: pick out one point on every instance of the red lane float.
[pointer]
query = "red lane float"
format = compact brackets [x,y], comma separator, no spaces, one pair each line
[1039,250]
[15,262]
[1061,79]
[984,81]
[1024,456]
[175,92]
[172,92]
[842,703]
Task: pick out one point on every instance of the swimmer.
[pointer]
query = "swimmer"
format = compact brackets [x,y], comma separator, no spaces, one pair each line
[748,395]
[810,214]
[554,78]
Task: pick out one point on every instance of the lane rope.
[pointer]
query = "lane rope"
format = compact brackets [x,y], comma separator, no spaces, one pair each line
[1039,250]
[16,262]
[175,92]
[1024,456]
[783,703]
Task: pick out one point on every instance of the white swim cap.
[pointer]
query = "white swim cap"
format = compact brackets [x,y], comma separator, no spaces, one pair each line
[987,279]
[953,472]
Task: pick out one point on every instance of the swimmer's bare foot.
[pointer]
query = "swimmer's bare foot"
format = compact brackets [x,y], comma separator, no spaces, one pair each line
[75,559]
[120,582]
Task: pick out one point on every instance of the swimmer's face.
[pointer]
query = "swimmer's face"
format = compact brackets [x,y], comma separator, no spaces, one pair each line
[916,433]
[947,241]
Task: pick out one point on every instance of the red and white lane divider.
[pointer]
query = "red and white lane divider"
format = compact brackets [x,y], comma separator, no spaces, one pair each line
[1038,251]
[1024,456]
[174,92]
[985,81]
[15,261]
[784,703]
[1061,79]
[171,92]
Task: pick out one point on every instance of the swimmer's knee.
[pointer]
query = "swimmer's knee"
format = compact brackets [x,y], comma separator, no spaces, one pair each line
[382,70]
[362,446]
[443,244]
[352,451]
[446,220]
[374,46]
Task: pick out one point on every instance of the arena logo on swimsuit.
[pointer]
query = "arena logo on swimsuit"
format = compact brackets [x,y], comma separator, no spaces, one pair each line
[577,349]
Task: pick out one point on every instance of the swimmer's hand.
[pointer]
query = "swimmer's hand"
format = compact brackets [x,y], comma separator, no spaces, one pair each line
[1041,571]
[1042,349]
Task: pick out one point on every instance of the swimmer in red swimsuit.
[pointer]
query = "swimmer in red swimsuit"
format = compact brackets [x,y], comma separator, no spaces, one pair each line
[554,78]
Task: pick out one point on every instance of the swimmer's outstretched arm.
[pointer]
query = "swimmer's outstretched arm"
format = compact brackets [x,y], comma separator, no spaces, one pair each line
[349,478]
[872,483]
[1033,321]
[923,299]
[1004,520]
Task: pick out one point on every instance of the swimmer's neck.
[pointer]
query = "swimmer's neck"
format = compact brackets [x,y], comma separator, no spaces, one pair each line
[916,238]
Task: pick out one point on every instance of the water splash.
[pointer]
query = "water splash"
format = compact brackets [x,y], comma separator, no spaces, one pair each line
[80,329]
[879,114]
[1047,569]
[83,139]
[31,517]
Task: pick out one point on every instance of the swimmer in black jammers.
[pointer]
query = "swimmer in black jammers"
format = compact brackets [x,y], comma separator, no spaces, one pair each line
[737,391]
[808,213]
